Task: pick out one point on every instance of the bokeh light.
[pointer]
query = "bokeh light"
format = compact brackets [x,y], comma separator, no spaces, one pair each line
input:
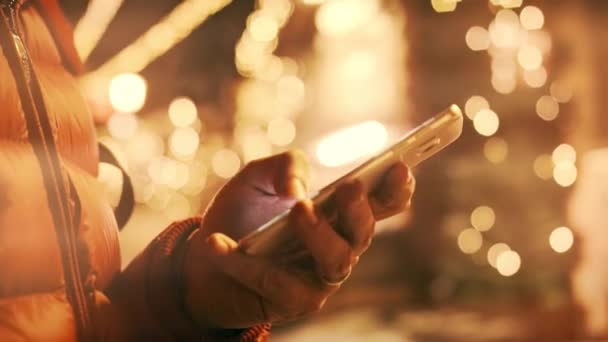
[561,239]
[495,250]
[122,126]
[508,263]
[225,163]
[563,152]
[504,83]
[530,57]
[470,240]
[442,6]
[182,112]
[339,17]
[477,38]
[281,131]
[565,173]
[543,166]
[531,18]
[262,26]
[535,78]
[561,91]
[483,218]
[486,122]
[496,150]
[128,92]
[184,141]
[547,108]
[474,104]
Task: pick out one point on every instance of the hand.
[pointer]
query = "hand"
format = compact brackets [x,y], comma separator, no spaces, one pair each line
[228,289]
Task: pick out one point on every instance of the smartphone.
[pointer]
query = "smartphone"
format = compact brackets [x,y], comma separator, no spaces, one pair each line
[418,145]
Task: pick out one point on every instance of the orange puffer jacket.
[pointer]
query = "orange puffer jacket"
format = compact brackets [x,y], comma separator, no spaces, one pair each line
[60,277]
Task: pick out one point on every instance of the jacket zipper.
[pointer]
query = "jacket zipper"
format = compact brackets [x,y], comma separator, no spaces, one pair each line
[49,162]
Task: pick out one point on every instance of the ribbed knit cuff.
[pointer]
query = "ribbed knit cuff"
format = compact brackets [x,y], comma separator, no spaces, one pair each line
[165,289]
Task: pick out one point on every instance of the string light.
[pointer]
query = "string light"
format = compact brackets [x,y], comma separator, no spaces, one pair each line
[93,24]
[495,250]
[339,17]
[547,108]
[565,173]
[535,78]
[182,112]
[563,152]
[532,18]
[127,92]
[477,38]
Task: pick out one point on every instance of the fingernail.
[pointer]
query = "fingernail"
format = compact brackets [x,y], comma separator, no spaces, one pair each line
[218,244]
[296,188]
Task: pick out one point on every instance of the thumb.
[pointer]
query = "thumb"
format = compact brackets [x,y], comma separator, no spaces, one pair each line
[220,244]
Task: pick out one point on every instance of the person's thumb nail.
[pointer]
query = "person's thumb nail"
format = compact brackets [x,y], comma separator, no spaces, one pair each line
[220,244]
[296,188]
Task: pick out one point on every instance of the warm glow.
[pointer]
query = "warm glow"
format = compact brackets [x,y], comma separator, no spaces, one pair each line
[543,166]
[444,5]
[561,91]
[483,218]
[359,66]
[339,17]
[510,3]
[349,144]
[93,24]
[561,239]
[508,263]
[486,122]
[184,142]
[182,112]
[564,152]
[565,173]
[504,83]
[535,78]
[531,18]
[477,38]
[474,104]
[547,108]
[290,89]
[281,131]
[122,126]
[530,57]
[225,163]
[128,92]
[496,150]
[503,32]
[162,170]
[495,250]
[262,26]
[313,2]
[470,240]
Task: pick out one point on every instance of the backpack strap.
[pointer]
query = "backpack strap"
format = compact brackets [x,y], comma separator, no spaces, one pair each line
[127,198]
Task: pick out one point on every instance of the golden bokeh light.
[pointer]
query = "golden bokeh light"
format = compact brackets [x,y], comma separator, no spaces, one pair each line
[561,91]
[474,104]
[122,126]
[349,144]
[486,122]
[495,250]
[177,208]
[496,150]
[563,152]
[508,263]
[262,26]
[182,176]
[561,239]
[162,170]
[547,108]
[281,131]
[290,89]
[339,17]
[543,166]
[509,3]
[225,163]
[565,173]
[470,240]
[477,38]
[483,218]
[182,112]
[127,92]
[531,18]
[442,6]
[313,2]
[535,78]
[184,141]
[503,32]
[359,66]
[530,57]
[504,83]
[144,146]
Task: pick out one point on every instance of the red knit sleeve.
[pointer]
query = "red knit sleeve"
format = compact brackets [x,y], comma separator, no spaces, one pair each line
[150,293]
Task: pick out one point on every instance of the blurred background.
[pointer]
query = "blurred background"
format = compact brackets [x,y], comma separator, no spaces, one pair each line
[507,237]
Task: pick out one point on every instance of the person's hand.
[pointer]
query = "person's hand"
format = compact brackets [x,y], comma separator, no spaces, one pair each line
[228,289]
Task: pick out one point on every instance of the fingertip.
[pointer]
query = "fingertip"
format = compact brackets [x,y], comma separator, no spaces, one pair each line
[220,243]
[303,214]
[353,191]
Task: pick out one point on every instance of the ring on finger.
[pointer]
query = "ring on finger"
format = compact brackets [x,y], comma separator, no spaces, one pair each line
[339,280]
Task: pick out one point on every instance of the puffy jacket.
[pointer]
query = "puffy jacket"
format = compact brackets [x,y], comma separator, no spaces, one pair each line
[60,275]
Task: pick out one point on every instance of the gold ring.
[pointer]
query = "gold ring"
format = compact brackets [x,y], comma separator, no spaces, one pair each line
[337,282]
